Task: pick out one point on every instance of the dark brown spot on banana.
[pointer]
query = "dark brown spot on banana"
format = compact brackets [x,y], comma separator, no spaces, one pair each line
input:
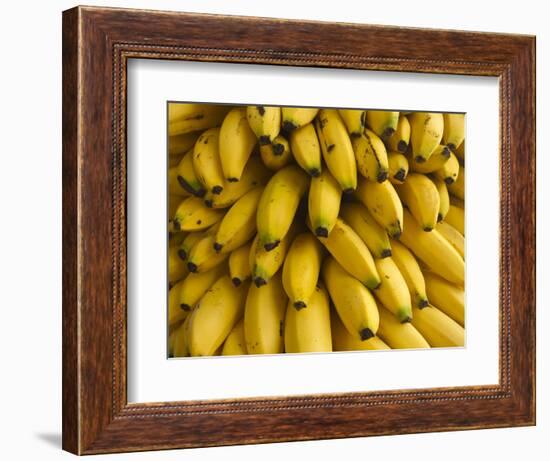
[236,281]
[289,126]
[217,247]
[402,146]
[192,267]
[330,147]
[217,190]
[261,110]
[366,333]
[400,175]
[272,245]
[386,253]
[299,305]
[264,140]
[278,149]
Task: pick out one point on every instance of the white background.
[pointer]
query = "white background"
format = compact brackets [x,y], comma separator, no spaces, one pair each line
[30,243]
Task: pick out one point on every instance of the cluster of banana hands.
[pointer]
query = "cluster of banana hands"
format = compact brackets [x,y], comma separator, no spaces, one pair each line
[313,230]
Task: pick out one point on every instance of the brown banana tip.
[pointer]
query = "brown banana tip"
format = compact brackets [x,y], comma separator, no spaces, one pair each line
[185,307]
[192,267]
[446,152]
[217,247]
[423,303]
[449,180]
[289,126]
[176,224]
[217,190]
[407,319]
[386,253]
[388,132]
[439,217]
[321,232]
[209,203]
[366,333]
[232,179]
[264,140]
[272,245]
[451,146]
[427,228]
[402,146]
[315,172]
[419,159]
[299,305]
[278,149]
[259,281]
[400,175]
[349,190]
[382,176]
[396,234]
[236,281]
[182,254]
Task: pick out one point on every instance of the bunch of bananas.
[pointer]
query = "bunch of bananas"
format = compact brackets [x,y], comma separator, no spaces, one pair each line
[312,230]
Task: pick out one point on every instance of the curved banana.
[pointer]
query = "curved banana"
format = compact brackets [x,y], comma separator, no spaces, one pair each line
[399,335]
[239,264]
[336,148]
[455,238]
[195,285]
[237,141]
[443,198]
[371,156]
[383,123]
[265,122]
[354,119]
[455,217]
[301,269]
[173,204]
[188,243]
[278,204]
[308,330]
[421,197]
[176,266]
[410,270]
[323,203]
[399,140]
[449,171]
[175,313]
[192,215]
[296,117]
[383,203]
[457,187]
[437,160]
[203,257]
[181,346]
[361,221]
[438,329]
[433,250]
[180,144]
[398,167]
[206,161]
[186,176]
[447,297]
[264,315]
[215,316]
[342,340]
[238,225]
[185,117]
[354,303]
[393,291]
[453,131]
[235,343]
[277,155]
[306,150]
[426,133]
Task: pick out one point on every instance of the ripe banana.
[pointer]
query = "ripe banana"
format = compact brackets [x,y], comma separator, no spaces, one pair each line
[399,335]
[308,330]
[364,225]
[181,346]
[305,147]
[265,122]
[443,198]
[433,250]
[215,316]
[383,203]
[184,118]
[186,175]
[449,171]
[371,156]
[173,204]
[410,270]
[354,303]
[237,141]
[277,155]
[438,329]
[437,160]
[398,167]
[426,133]
[455,217]
[301,269]
[383,123]
[453,131]
[420,195]
[195,285]
[192,215]
[264,315]
[296,117]
[455,238]
[352,254]
[206,161]
[323,203]
[342,340]
[336,148]
[180,144]
[176,266]
[447,297]
[457,188]
[399,140]
[188,243]
[238,225]
[354,119]
[393,291]
[235,343]
[175,313]
[278,204]
[239,265]
[203,257]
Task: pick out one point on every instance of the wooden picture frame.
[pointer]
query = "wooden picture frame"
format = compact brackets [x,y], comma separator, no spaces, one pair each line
[97,43]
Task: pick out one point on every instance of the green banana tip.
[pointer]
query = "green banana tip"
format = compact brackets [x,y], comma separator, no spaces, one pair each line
[373,284]
[366,333]
[404,314]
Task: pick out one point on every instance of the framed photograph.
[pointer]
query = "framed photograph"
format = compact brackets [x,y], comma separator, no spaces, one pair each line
[287,230]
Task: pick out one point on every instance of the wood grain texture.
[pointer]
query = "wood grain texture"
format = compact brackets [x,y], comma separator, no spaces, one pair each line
[97,43]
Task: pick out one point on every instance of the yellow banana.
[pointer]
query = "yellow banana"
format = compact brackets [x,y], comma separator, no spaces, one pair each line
[457,187]
[455,238]
[455,217]
[383,123]
[306,150]
[398,167]
[195,285]
[342,340]
[354,119]
[399,140]
[188,243]
[277,155]
[433,250]
[364,225]
[447,297]
[393,291]
[265,122]
[215,316]
[352,253]
[175,313]
[426,133]
[203,257]
[296,117]
[278,204]
[399,335]
[443,198]
[180,144]
[301,269]
[437,160]
[308,330]
[371,156]
[453,131]
[438,329]
[173,204]
[181,346]
[264,315]
[449,171]
[337,149]
[237,141]
[192,215]
[239,264]
[323,203]
[410,270]
[420,195]
[174,186]
[354,303]
[176,266]
[184,117]
[238,225]
[383,203]
[235,343]
[187,177]
[206,161]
